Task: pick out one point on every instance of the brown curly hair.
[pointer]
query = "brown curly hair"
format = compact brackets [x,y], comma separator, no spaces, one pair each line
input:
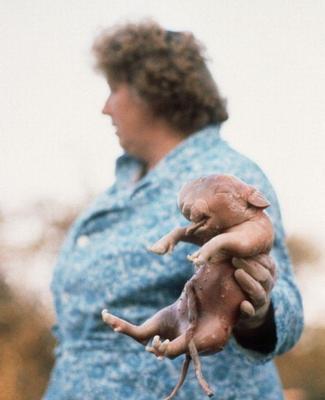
[167,69]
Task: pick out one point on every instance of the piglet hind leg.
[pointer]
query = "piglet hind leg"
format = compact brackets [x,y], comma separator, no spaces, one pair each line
[166,348]
[141,333]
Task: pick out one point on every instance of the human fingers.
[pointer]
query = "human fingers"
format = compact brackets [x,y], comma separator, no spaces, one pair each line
[255,291]
[247,310]
[267,262]
[256,270]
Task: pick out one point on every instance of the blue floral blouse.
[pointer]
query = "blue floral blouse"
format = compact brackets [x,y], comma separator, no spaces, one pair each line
[104,264]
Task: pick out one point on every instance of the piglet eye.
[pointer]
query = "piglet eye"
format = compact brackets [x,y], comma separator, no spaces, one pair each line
[186,211]
[197,215]
[203,216]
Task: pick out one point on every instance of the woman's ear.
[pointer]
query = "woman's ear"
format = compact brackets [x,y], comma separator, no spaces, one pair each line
[256,199]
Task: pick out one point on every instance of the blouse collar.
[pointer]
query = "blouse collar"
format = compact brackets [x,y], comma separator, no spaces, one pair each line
[181,157]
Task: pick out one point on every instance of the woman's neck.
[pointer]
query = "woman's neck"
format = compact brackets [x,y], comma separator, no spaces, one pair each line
[163,139]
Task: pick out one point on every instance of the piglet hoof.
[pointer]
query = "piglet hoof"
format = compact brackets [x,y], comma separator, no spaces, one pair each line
[156,248]
[163,246]
[115,322]
[196,259]
[158,348]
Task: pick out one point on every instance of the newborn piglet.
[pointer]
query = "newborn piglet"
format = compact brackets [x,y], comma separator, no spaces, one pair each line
[227,220]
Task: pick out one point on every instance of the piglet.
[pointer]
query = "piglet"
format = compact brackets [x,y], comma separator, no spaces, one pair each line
[227,220]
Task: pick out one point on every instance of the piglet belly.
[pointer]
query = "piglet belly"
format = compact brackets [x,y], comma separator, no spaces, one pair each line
[218,306]
[212,335]
[173,320]
[218,294]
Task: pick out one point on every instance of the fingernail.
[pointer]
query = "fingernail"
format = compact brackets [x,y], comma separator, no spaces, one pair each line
[236,262]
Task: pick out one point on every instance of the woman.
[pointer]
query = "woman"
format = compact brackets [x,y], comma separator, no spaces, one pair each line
[167,113]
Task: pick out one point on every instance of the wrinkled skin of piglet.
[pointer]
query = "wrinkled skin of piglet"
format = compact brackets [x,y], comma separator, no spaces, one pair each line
[227,220]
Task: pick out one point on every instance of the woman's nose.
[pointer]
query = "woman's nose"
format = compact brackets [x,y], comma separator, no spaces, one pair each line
[107,107]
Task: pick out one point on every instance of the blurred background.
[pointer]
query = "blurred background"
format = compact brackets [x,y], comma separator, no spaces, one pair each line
[57,151]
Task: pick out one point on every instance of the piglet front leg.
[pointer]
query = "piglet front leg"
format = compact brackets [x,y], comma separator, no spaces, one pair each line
[167,243]
[215,248]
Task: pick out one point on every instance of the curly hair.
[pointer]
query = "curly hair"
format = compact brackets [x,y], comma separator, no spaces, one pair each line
[167,69]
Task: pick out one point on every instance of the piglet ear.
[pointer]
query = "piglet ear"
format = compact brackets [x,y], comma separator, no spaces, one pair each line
[256,199]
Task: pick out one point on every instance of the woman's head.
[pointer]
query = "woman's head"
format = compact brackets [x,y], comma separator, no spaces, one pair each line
[166,69]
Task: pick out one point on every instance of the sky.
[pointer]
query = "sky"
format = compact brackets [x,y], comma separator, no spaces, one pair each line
[268,59]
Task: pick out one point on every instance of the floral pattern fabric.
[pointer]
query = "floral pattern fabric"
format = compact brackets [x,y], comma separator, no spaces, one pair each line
[104,263]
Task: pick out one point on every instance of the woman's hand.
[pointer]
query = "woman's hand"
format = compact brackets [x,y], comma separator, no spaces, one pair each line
[256,277]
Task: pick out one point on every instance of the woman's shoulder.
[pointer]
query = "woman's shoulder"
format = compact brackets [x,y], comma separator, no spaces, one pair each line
[221,158]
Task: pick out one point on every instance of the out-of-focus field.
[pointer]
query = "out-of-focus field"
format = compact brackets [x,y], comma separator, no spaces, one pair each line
[29,242]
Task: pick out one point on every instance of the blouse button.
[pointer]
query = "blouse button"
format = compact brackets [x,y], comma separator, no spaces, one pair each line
[83,241]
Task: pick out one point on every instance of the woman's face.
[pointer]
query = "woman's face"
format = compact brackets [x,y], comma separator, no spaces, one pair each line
[130,116]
